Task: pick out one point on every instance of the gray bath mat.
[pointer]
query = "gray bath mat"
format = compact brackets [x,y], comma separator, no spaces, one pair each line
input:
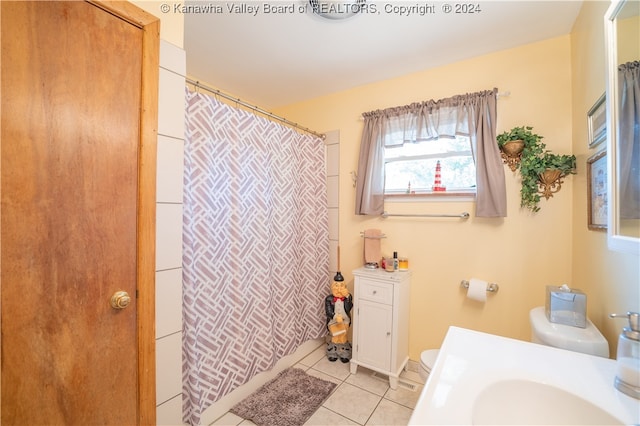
[288,400]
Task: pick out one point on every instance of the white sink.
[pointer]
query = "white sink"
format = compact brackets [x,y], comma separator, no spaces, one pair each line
[481,378]
[512,402]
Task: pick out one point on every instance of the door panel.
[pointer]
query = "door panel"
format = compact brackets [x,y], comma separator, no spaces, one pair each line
[71,125]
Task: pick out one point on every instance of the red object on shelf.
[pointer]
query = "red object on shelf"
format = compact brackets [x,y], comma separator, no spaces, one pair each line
[437,184]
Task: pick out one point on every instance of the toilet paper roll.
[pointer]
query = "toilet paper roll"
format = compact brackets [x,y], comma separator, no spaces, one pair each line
[477,290]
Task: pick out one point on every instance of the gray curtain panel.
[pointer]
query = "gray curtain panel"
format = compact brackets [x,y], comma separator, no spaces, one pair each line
[629,139]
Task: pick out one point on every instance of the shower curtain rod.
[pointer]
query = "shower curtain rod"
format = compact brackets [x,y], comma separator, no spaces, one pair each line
[254,108]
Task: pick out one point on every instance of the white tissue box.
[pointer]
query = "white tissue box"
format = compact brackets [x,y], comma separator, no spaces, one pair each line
[566,306]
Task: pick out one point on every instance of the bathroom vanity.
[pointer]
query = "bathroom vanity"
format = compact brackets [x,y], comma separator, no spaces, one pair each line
[381,322]
[482,378]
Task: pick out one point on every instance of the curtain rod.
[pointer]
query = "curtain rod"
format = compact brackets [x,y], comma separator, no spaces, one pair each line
[254,108]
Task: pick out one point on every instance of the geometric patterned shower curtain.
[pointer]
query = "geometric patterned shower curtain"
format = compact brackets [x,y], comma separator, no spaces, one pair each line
[255,247]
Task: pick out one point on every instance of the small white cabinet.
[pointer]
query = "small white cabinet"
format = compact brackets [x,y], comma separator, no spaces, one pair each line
[381,322]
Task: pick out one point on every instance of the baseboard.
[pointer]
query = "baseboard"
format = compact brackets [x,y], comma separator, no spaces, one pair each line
[225,403]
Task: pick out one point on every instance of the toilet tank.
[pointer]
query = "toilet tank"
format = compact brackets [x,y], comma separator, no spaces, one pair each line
[586,340]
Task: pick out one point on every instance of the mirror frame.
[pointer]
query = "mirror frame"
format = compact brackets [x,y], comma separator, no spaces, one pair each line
[615,241]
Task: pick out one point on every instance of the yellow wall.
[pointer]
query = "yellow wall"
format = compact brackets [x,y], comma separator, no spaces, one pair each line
[627,31]
[172,23]
[611,279]
[523,252]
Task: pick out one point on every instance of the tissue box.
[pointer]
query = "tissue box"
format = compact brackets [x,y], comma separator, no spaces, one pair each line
[566,306]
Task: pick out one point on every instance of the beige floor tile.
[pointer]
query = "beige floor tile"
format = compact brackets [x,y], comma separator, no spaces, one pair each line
[315,356]
[323,376]
[405,396]
[301,366]
[325,417]
[229,419]
[337,369]
[358,399]
[413,376]
[389,413]
[352,402]
[364,379]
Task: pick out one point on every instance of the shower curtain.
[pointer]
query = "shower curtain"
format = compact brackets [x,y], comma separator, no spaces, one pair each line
[255,247]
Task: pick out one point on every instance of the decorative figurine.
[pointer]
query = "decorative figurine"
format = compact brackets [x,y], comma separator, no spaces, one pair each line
[437,184]
[338,307]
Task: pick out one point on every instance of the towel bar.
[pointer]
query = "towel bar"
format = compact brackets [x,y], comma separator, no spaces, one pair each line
[373,238]
[463,215]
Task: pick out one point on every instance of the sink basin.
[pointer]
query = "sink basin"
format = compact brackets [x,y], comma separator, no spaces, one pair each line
[482,378]
[512,402]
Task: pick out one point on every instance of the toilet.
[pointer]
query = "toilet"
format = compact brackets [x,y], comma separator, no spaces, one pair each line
[427,361]
[587,340]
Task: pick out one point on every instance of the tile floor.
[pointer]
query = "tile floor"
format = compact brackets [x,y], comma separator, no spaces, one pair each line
[359,399]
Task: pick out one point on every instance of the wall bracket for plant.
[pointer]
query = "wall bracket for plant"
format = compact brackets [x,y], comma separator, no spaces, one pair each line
[550,182]
[541,171]
[511,153]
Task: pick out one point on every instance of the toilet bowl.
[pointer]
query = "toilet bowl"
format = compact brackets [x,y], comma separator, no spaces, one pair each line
[427,361]
[587,340]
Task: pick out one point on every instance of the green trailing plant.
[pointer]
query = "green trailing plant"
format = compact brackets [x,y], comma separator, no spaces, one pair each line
[522,133]
[535,160]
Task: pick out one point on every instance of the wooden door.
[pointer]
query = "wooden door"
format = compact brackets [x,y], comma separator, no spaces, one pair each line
[77,220]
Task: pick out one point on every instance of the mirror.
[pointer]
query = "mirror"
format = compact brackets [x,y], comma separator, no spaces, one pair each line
[622,23]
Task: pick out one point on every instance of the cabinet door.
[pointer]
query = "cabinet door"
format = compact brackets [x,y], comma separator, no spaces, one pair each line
[374,334]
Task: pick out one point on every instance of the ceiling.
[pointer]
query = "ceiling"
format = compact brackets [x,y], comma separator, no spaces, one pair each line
[285,56]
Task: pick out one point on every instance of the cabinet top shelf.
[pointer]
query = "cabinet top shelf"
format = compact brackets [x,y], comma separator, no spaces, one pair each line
[381,274]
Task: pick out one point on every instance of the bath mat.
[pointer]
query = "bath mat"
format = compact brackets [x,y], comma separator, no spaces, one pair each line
[288,400]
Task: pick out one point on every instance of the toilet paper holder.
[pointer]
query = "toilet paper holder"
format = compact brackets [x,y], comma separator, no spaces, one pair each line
[491,287]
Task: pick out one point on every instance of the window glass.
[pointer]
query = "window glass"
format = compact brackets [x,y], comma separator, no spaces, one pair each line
[414,165]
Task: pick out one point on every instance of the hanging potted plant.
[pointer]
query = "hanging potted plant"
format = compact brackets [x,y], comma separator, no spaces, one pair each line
[542,175]
[557,166]
[541,171]
[513,143]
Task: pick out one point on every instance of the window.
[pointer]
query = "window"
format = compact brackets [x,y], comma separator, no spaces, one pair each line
[413,165]
[388,147]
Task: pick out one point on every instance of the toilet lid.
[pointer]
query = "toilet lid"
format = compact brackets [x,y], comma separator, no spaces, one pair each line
[428,358]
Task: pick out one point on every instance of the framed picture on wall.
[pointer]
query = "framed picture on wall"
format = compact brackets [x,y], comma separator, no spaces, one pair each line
[597,202]
[597,122]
